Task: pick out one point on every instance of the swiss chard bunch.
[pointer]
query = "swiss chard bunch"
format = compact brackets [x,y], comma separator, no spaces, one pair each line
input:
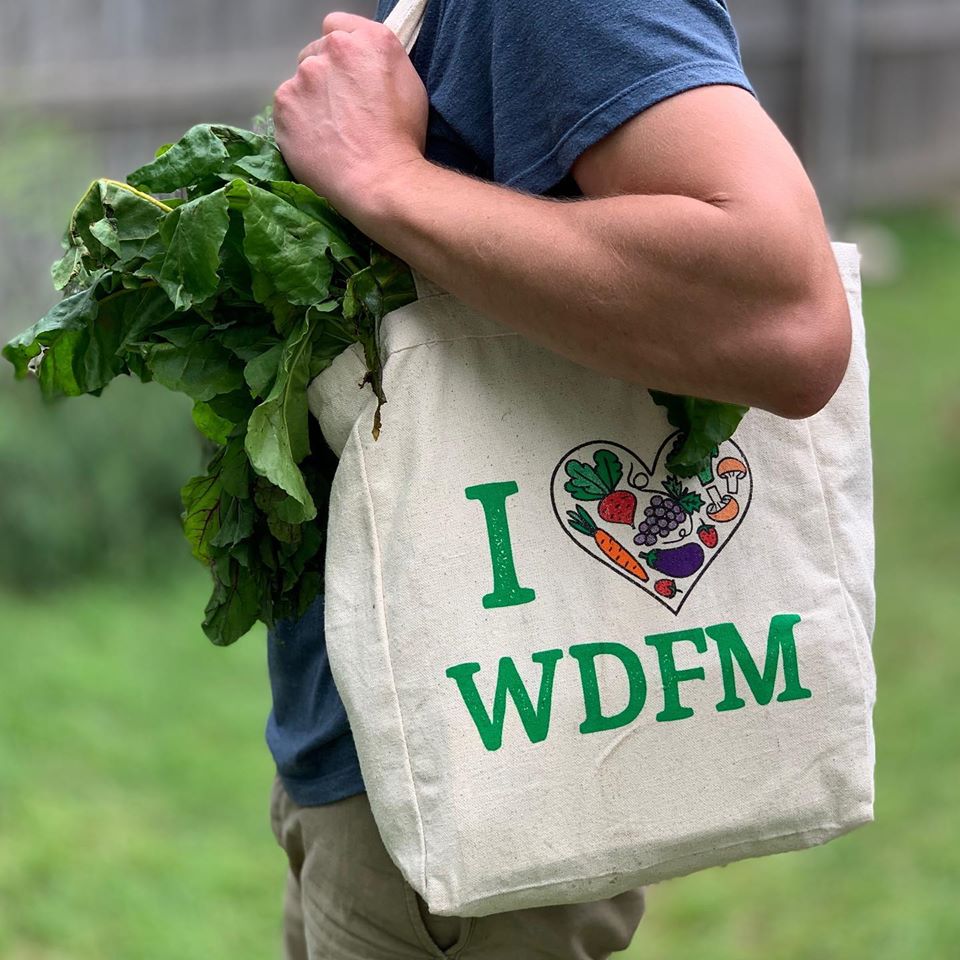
[236,292]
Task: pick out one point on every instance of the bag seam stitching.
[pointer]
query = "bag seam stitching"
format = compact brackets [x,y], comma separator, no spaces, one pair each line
[852,632]
[860,653]
[867,736]
[831,828]
[384,634]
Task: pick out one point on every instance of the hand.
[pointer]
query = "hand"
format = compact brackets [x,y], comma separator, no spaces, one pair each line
[354,112]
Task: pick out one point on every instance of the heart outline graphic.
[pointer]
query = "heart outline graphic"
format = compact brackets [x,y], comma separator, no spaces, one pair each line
[727,449]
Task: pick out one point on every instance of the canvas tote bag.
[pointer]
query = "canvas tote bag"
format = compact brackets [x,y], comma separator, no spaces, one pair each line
[545,710]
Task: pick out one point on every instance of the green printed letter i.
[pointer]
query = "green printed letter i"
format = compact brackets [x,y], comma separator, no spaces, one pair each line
[507,591]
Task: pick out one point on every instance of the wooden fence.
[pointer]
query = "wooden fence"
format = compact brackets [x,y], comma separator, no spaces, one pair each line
[868,90]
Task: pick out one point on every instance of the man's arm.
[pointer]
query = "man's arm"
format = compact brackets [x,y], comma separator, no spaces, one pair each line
[698,263]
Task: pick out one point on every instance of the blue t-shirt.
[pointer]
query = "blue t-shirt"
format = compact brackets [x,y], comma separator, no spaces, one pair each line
[518,90]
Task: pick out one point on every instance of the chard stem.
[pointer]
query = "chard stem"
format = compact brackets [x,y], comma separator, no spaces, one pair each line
[138,193]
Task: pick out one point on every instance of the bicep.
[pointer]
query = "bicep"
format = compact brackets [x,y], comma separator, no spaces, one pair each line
[749,220]
[712,143]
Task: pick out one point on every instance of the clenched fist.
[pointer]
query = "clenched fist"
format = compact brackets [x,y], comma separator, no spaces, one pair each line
[353,114]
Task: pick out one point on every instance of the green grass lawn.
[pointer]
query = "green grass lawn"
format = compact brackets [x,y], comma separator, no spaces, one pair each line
[134,779]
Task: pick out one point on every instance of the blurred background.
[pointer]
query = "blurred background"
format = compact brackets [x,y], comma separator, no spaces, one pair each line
[133,774]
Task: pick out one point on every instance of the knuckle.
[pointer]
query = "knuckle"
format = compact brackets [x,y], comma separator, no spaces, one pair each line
[308,67]
[284,93]
[337,40]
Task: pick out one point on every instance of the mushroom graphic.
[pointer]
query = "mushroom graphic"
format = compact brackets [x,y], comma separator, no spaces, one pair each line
[721,509]
[733,471]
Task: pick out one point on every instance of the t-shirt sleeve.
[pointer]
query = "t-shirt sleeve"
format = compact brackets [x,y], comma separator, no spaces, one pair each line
[565,73]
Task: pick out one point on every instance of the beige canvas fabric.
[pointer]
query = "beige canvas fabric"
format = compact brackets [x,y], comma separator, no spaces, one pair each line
[546,711]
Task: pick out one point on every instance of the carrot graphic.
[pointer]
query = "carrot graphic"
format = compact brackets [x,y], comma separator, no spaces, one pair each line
[582,522]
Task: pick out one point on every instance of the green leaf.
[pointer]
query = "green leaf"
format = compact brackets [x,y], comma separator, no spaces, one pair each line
[394,278]
[193,234]
[201,498]
[210,424]
[264,167]
[57,372]
[88,211]
[689,501]
[345,241]
[235,406]
[201,369]
[183,335]
[363,294]
[199,153]
[79,338]
[97,358]
[235,604]
[234,267]
[236,523]
[703,425]
[69,269]
[99,354]
[111,223]
[146,310]
[261,371]
[284,244]
[72,313]
[235,469]
[332,335]
[609,469]
[128,220]
[249,341]
[277,435]
[308,547]
[584,483]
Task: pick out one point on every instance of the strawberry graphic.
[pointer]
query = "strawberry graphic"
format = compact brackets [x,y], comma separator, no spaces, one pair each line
[708,535]
[666,588]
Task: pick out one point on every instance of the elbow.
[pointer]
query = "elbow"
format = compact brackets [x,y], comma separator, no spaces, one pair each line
[815,337]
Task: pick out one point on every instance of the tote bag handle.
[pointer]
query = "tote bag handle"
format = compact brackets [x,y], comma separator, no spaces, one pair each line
[405,20]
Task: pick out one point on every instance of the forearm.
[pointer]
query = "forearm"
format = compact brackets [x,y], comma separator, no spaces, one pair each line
[674,293]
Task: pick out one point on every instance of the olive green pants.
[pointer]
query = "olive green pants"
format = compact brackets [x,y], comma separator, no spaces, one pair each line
[345,900]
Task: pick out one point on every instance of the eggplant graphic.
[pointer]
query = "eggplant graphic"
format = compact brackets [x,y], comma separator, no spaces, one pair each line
[678,562]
